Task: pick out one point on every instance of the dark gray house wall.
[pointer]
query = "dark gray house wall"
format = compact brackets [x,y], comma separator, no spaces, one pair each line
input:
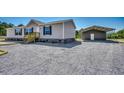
[98,35]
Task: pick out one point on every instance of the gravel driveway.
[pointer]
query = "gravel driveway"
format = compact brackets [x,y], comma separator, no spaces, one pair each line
[88,58]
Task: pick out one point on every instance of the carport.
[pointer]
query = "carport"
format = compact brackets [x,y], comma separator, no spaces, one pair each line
[95,33]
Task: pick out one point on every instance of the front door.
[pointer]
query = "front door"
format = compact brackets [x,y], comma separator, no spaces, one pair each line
[92,36]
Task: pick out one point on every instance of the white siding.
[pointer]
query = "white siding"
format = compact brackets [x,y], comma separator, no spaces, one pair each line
[36,29]
[57,32]
[11,33]
[69,30]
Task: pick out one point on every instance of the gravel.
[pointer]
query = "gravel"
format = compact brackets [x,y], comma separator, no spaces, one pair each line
[88,58]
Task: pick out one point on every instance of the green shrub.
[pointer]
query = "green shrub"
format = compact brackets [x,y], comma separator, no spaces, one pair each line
[116,35]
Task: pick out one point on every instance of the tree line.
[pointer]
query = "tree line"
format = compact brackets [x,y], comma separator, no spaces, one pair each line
[116,35]
[4,25]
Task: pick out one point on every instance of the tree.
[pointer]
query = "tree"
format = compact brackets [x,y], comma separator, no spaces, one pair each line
[20,25]
[121,33]
[2,30]
[78,34]
[3,26]
[11,25]
[116,35]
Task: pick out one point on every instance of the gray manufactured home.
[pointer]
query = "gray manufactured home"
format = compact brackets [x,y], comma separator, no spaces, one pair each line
[57,31]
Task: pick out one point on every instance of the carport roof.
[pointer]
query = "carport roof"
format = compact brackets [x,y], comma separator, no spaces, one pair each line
[99,28]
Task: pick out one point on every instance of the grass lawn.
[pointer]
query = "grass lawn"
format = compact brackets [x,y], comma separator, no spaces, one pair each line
[6,43]
[78,39]
[2,38]
[118,40]
[3,41]
[2,52]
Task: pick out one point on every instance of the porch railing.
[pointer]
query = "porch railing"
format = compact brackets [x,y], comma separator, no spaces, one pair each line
[31,37]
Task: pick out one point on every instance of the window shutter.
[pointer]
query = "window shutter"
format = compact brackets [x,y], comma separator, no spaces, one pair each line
[15,32]
[25,31]
[50,30]
[44,30]
[21,31]
[32,29]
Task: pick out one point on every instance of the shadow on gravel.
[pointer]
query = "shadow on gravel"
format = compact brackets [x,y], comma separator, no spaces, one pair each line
[64,45]
[101,41]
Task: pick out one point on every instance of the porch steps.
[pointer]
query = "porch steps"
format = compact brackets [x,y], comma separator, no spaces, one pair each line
[30,38]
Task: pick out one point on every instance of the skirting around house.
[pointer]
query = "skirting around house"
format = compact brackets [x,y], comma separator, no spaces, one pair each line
[49,40]
[57,40]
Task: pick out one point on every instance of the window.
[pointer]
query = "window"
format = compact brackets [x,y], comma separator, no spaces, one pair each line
[47,30]
[28,30]
[18,31]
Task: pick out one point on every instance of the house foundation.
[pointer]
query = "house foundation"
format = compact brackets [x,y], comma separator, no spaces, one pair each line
[49,40]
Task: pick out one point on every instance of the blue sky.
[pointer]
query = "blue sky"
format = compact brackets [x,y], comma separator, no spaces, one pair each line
[80,22]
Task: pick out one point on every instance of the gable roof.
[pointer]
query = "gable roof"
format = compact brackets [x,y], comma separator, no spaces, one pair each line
[16,27]
[99,28]
[49,23]
[35,22]
[62,21]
